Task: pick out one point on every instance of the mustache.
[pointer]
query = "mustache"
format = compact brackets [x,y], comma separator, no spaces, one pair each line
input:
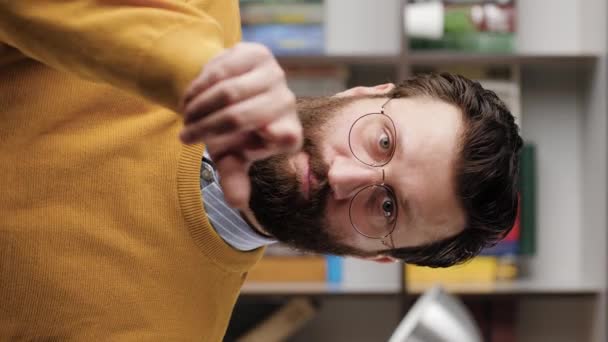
[319,170]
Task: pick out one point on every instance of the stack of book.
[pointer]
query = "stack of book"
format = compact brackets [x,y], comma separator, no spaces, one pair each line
[293,27]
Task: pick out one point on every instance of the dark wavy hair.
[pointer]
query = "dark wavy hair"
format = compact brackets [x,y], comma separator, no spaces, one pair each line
[486,172]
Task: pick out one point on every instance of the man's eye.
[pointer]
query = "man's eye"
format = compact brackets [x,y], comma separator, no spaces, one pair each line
[384,142]
[388,208]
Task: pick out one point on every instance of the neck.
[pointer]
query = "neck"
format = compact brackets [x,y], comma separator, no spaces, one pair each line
[248,216]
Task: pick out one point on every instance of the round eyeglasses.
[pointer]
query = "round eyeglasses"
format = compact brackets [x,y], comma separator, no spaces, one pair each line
[373,209]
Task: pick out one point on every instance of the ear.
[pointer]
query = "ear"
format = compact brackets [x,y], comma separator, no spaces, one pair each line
[383,259]
[380,89]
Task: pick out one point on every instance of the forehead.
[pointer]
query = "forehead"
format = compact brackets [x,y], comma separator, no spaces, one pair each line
[423,168]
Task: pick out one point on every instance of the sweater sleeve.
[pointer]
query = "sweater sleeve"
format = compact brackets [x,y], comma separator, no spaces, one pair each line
[153,48]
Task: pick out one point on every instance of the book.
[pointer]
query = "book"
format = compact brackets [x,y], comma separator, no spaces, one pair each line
[287,39]
[527,188]
[335,269]
[479,270]
[509,245]
[273,269]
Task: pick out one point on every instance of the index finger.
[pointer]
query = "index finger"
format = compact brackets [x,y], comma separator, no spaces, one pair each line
[235,61]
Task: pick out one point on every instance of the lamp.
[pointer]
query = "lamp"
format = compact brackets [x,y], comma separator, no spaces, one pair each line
[437,317]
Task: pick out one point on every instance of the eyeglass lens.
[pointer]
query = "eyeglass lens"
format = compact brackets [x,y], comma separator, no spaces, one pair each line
[373,209]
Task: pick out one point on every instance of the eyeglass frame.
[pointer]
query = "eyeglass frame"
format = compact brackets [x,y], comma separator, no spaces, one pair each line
[382,184]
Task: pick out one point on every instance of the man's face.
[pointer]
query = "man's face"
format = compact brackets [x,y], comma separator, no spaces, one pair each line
[305,200]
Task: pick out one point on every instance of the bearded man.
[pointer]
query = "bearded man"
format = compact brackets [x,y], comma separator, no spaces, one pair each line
[112,229]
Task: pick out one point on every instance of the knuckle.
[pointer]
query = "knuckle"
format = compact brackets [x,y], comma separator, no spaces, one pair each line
[257,51]
[232,119]
[262,51]
[215,75]
[211,148]
[229,93]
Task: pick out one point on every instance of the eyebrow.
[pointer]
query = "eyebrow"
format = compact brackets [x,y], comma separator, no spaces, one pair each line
[404,203]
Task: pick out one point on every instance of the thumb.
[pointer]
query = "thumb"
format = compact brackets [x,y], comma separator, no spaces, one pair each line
[285,133]
[233,170]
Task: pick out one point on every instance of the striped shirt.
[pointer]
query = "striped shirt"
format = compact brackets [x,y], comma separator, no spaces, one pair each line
[227,222]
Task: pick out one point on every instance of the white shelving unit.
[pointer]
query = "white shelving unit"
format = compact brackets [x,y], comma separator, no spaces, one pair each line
[562,57]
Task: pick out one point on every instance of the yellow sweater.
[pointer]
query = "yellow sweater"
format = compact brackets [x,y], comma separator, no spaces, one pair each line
[103,236]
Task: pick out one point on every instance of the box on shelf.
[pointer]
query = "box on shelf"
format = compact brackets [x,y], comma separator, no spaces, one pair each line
[473,26]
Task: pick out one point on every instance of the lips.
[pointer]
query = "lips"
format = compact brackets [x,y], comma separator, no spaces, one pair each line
[305,176]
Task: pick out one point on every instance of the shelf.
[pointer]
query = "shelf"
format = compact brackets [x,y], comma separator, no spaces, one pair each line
[436,58]
[446,58]
[518,287]
[251,288]
[337,60]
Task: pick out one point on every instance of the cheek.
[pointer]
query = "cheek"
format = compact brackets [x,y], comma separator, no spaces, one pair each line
[334,142]
[338,219]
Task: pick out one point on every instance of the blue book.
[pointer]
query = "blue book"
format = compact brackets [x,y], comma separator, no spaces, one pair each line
[502,248]
[287,39]
[334,269]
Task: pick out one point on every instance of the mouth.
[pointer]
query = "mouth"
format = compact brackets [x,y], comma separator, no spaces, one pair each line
[301,165]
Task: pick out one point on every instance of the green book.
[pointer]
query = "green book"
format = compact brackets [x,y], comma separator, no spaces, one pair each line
[527,188]
[288,13]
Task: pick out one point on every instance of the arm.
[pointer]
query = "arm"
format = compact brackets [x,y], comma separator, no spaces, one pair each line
[153,48]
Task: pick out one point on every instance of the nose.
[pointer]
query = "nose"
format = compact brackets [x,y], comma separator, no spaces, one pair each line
[347,176]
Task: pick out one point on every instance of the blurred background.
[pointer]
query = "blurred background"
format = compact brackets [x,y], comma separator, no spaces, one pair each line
[547,60]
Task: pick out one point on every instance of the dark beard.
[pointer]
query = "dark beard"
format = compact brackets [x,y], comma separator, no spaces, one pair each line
[276,199]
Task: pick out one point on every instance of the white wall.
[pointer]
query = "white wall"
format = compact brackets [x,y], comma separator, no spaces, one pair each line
[559,26]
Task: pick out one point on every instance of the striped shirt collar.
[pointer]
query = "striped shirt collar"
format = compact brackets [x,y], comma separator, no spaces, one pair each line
[227,222]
